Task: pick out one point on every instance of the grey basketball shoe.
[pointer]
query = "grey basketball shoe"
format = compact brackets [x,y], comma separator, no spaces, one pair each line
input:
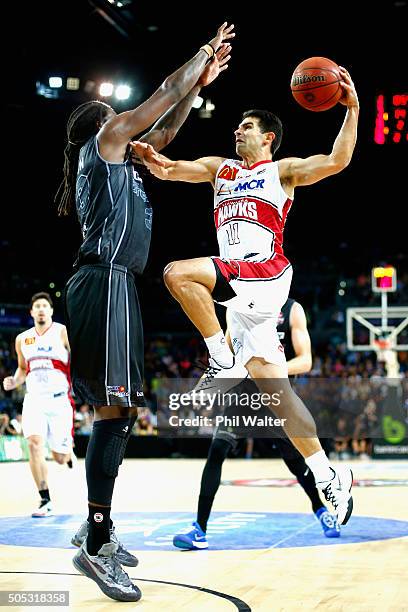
[105,569]
[123,555]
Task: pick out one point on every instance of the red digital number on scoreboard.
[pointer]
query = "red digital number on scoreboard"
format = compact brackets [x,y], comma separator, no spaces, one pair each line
[391,119]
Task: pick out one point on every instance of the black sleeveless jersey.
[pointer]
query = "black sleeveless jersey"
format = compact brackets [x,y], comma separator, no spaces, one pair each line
[283,329]
[113,211]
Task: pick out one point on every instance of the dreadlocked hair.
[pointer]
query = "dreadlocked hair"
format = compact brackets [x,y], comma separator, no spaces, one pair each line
[83,123]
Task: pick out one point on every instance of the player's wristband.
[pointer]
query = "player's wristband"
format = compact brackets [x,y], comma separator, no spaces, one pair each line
[209,50]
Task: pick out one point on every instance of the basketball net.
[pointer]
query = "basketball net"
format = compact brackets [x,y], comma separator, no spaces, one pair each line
[386,353]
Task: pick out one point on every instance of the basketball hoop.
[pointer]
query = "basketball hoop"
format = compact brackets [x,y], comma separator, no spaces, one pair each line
[382,344]
[387,354]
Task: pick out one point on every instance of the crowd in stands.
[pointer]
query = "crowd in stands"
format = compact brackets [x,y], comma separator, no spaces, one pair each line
[346,391]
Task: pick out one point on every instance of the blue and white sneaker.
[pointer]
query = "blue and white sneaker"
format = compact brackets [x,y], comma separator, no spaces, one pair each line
[329,523]
[191,539]
[337,491]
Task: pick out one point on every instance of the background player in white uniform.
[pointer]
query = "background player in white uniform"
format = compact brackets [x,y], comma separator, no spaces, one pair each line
[252,199]
[43,364]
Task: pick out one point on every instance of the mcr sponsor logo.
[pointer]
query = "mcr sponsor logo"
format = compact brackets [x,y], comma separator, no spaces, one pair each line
[248,185]
[242,186]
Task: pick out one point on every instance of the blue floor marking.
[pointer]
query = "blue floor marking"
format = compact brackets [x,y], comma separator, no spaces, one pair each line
[226,530]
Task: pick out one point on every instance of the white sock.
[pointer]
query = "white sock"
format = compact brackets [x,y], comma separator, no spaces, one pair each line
[320,466]
[219,349]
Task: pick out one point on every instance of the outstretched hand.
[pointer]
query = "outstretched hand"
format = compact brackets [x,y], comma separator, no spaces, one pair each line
[217,64]
[145,152]
[156,163]
[160,170]
[224,32]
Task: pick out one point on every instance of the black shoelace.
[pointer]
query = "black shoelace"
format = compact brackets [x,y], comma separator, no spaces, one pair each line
[329,495]
[208,375]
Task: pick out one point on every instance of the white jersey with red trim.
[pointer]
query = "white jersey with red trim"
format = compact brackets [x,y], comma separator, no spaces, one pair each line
[47,361]
[250,210]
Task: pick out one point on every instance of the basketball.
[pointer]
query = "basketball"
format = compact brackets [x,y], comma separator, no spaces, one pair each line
[315,84]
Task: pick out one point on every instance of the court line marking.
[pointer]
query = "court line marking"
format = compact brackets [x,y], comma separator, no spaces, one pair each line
[238,603]
[292,535]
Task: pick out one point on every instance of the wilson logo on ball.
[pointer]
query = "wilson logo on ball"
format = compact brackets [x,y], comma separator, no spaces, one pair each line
[300,80]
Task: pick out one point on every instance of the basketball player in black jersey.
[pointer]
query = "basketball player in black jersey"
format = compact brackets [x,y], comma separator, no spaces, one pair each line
[293,333]
[102,309]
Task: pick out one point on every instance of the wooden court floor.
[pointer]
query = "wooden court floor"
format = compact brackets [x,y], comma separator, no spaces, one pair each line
[369,575]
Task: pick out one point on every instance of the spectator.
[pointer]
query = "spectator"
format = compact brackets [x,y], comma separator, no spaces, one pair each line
[366,425]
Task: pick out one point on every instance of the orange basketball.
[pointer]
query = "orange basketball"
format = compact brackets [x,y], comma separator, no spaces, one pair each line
[315,84]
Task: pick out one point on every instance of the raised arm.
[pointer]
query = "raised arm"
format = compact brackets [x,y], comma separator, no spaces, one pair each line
[296,172]
[198,171]
[11,382]
[302,362]
[166,128]
[119,129]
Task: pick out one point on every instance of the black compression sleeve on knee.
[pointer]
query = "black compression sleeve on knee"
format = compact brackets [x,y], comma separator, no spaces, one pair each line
[105,453]
[210,480]
[222,291]
[306,480]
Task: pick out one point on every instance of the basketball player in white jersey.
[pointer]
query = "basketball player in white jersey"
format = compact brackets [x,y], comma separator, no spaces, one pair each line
[252,277]
[43,364]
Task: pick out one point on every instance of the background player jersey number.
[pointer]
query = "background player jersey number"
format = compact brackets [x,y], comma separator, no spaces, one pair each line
[41,377]
[232,233]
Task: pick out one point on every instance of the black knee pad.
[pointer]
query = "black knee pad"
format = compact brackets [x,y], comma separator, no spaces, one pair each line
[107,446]
[113,455]
[104,454]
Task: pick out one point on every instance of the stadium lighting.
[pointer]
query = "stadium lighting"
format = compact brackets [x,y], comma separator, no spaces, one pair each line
[206,111]
[106,89]
[72,84]
[122,92]
[198,102]
[55,82]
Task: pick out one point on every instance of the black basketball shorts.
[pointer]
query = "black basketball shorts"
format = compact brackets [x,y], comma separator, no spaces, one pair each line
[106,336]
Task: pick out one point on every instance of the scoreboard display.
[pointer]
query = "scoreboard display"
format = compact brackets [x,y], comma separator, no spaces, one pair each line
[384,279]
[391,120]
